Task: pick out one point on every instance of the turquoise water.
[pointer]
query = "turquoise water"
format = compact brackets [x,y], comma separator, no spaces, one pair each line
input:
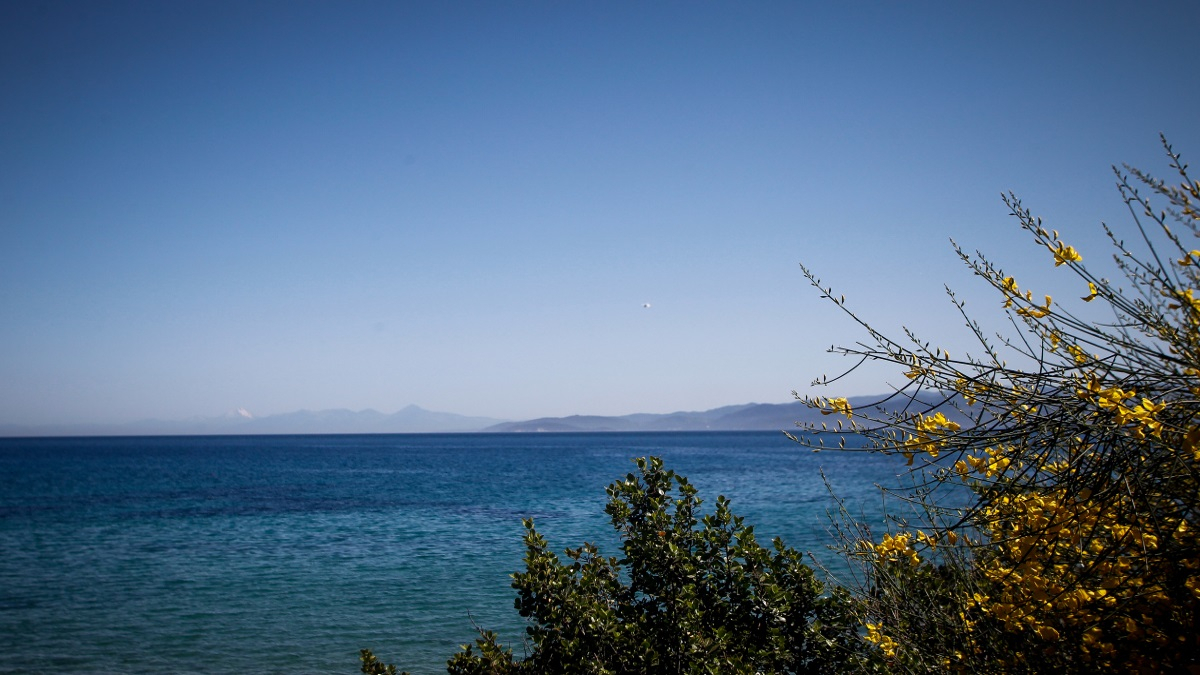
[290,553]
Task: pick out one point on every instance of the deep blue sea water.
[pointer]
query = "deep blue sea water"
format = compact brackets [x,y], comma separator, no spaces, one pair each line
[287,554]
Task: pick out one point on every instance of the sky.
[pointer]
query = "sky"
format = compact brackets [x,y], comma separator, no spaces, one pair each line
[468,206]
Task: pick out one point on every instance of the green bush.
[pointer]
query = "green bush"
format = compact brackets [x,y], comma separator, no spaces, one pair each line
[690,594]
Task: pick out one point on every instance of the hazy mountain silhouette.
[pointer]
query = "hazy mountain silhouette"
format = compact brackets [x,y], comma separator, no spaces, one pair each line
[748,417]
[409,420]
[414,419]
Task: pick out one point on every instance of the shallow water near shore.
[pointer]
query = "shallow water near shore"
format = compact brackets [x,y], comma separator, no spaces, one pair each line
[290,553]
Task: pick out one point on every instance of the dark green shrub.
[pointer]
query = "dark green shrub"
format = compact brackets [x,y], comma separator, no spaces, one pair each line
[690,594]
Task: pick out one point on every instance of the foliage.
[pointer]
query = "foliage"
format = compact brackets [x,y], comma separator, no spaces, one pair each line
[372,666]
[1078,550]
[690,594]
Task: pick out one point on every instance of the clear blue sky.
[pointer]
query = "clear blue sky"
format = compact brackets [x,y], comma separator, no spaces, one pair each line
[465,205]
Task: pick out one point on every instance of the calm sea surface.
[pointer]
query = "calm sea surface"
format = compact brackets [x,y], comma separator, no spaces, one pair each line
[287,554]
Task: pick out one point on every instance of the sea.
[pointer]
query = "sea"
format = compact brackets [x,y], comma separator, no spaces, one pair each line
[289,554]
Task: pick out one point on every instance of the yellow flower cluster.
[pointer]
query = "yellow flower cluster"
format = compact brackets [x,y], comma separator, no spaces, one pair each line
[1009,287]
[1064,254]
[929,437]
[835,406]
[1077,353]
[885,643]
[898,547]
[1035,312]
[1191,444]
[1186,300]
[1065,562]
[995,463]
[1143,415]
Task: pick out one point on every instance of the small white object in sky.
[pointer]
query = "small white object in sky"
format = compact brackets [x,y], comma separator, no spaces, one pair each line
[646,305]
[242,412]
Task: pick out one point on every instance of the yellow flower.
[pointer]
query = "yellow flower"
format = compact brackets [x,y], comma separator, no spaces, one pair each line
[885,643]
[1047,633]
[1064,254]
[893,548]
[962,469]
[1009,286]
[1036,312]
[937,421]
[839,406]
[1186,300]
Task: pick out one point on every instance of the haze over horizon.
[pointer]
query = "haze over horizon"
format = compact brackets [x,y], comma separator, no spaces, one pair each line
[538,209]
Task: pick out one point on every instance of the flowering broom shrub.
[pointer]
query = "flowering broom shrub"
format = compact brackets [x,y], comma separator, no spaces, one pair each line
[1078,548]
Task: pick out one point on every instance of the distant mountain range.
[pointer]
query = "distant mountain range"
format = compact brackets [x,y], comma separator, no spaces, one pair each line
[410,420]
[748,417]
[413,419]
